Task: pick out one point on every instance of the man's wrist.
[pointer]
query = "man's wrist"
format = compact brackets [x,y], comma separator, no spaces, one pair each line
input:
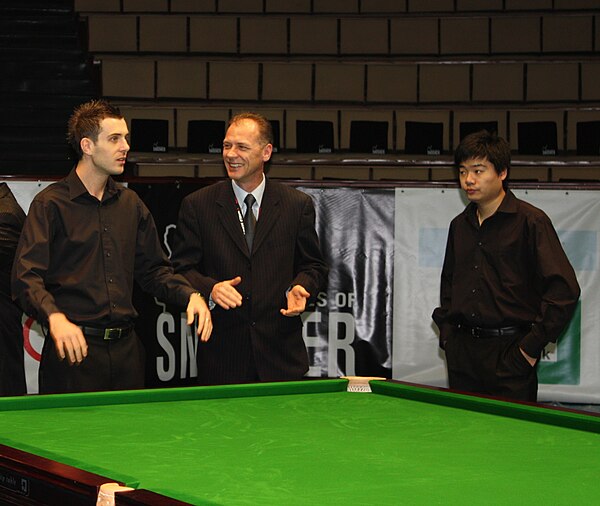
[198,294]
[57,315]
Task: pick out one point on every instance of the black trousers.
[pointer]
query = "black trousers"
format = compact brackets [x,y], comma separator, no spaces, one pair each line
[109,365]
[12,365]
[227,359]
[492,366]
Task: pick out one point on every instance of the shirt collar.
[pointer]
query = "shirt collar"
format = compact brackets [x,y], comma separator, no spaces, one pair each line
[509,205]
[258,192]
[77,188]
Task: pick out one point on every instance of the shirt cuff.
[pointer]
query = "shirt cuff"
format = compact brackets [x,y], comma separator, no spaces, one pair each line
[532,344]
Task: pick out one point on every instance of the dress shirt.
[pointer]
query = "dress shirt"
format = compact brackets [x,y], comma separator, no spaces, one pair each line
[12,218]
[240,196]
[12,365]
[80,256]
[510,270]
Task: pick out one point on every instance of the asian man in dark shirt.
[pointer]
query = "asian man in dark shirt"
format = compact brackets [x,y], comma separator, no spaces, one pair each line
[507,287]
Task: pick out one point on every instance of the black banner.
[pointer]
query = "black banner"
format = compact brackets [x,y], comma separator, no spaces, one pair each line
[356,230]
[350,330]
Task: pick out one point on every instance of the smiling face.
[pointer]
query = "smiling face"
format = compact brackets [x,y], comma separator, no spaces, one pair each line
[107,154]
[480,181]
[245,153]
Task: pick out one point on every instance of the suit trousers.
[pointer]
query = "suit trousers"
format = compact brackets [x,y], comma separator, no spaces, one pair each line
[110,365]
[491,366]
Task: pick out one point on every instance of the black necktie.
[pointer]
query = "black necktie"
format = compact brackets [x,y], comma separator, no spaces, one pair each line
[249,220]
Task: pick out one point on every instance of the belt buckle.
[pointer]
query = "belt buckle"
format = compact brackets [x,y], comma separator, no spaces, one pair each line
[475,332]
[110,334]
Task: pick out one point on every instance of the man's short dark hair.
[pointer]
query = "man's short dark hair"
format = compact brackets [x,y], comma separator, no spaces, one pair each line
[484,145]
[85,122]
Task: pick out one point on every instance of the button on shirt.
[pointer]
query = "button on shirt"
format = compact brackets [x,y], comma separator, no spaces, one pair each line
[80,256]
[511,270]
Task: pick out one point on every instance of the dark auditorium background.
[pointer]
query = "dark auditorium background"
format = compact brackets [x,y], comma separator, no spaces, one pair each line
[423,71]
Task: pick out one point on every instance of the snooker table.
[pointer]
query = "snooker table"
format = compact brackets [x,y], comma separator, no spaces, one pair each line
[296,443]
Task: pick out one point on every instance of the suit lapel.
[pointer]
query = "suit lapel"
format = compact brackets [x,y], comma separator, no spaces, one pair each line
[269,214]
[229,218]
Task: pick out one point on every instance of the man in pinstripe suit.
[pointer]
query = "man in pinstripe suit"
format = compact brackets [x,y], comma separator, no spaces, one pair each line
[259,270]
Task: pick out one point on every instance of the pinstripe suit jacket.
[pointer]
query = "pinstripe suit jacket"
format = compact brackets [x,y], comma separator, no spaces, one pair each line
[210,247]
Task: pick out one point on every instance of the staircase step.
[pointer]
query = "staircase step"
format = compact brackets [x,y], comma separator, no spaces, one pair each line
[28,7]
[41,101]
[45,165]
[28,53]
[40,152]
[39,25]
[29,41]
[25,115]
[31,135]
[41,69]
[48,86]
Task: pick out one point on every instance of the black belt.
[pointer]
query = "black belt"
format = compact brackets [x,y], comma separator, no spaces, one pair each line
[481,332]
[108,334]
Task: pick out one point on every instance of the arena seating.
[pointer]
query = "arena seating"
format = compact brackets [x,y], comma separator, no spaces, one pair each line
[423,70]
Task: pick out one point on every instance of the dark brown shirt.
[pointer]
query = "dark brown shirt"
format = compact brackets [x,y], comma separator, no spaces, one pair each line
[12,365]
[80,256]
[511,270]
[12,218]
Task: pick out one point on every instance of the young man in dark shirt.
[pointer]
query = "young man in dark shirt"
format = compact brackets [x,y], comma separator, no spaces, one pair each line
[507,287]
[84,242]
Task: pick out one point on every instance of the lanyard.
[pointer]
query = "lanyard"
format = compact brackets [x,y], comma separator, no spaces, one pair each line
[241,216]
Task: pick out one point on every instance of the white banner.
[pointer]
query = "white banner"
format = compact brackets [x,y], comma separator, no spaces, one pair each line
[568,371]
